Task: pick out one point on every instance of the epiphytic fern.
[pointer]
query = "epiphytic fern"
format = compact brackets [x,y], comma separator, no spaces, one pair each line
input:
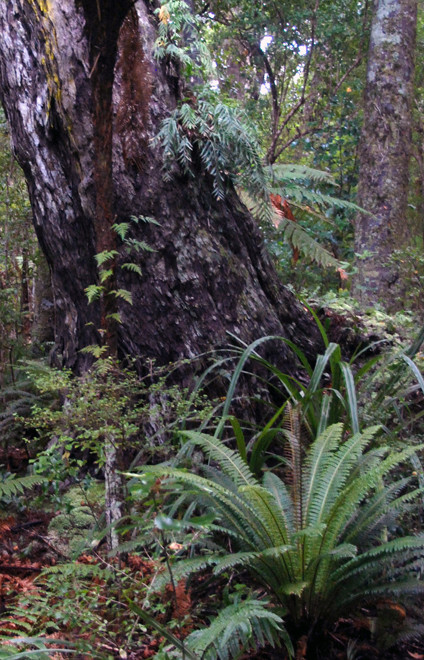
[218,137]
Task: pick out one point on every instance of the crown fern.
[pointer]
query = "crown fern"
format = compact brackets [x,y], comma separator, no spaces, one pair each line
[313,535]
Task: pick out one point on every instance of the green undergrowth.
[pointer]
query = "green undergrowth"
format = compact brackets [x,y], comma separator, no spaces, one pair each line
[374,322]
[235,536]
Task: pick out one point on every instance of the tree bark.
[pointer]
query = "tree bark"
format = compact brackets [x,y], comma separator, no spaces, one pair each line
[385,151]
[84,96]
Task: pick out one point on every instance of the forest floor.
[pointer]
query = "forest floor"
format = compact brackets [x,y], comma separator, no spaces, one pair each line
[25,550]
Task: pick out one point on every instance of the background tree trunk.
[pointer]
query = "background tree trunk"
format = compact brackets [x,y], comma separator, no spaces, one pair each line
[82,112]
[385,151]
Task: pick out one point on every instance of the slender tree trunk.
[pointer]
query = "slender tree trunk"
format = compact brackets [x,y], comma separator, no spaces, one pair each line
[84,97]
[385,151]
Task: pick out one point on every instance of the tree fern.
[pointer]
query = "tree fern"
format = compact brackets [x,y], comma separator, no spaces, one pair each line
[299,237]
[300,184]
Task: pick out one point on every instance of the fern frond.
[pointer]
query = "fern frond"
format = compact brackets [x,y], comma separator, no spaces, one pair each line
[282,497]
[290,172]
[16,485]
[268,513]
[364,520]
[239,626]
[183,568]
[124,294]
[402,547]
[93,292]
[356,492]
[228,506]
[246,559]
[229,460]
[225,143]
[138,246]
[121,229]
[300,238]
[105,274]
[133,268]
[106,255]
[334,477]
[145,218]
[77,570]
[316,459]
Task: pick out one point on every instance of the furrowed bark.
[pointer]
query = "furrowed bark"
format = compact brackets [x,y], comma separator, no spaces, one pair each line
[209,273]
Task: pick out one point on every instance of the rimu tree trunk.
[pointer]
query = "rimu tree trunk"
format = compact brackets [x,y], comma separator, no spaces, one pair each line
[84,96]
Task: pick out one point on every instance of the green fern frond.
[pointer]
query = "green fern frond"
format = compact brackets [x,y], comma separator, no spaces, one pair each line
[145,218]
[77,570]
[121,229]
[115,316]
[282,497]
[224,143]
[93,292]
[17,485]
[228,506]
[105,274]
[291,172]
[133,268]
[269,515]
[299,237]
[124,294]
[316,459]
[138,246]
[335,475]
[401,547]
[229,460]
[239,626]
[371,515]
[246,559]
[106,255]
[356,492]
[183,568]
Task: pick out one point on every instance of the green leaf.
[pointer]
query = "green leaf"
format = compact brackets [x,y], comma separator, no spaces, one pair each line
[241,444]
[350,395]
[106,255]
[105,274]
[93,292]
[115,316]
[124,294]
[134,268]
[165,523]
[121,229]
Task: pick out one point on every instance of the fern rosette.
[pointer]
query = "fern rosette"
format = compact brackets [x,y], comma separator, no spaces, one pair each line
[315,536]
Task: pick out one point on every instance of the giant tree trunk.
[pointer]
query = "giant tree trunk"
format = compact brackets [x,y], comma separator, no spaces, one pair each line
[385,151]
[84,97]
